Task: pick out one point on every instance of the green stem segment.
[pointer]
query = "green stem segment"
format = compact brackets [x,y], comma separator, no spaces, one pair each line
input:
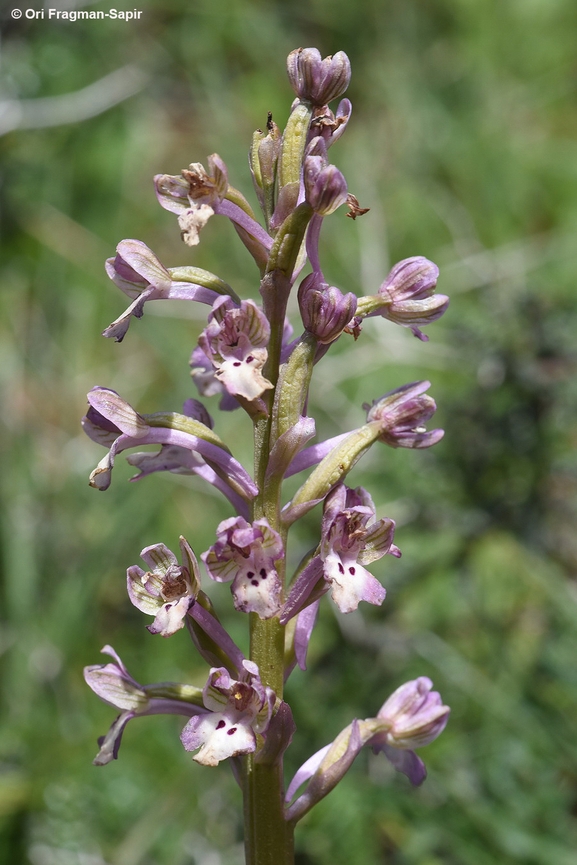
[268,836]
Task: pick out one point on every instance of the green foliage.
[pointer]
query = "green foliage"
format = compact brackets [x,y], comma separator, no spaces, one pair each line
[461,143]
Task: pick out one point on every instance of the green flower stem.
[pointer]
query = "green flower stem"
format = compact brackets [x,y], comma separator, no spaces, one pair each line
[268,836]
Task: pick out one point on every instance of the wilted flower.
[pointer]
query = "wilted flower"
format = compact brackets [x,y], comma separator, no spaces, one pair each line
[194,195]
[330,126]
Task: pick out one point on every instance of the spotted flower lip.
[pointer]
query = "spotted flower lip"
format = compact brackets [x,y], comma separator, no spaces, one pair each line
[236,711]
[167,590]
[316,80]
[234,341]
[246,554]
[350,539]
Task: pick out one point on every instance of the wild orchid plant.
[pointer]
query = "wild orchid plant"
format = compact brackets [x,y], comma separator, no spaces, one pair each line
[246,354]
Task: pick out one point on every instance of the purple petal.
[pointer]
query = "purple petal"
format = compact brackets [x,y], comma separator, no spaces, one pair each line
[306,621]
[407,762]
[288,445]
[313,455]
[110,743]
[306,771]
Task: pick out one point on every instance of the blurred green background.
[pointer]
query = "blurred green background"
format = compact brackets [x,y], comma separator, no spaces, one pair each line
[462,143]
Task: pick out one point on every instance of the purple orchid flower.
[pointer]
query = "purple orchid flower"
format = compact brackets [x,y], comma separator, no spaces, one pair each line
[138,273]
[407,296]
[234,342]
[113,422]
[415,716]
[236,711]
[412,717]
[114,684]
[167,590]
[316,80]
[350,539]
[402,414]
[246,554]
[325,310]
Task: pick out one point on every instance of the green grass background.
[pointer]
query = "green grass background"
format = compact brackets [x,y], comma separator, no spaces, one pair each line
[462,143]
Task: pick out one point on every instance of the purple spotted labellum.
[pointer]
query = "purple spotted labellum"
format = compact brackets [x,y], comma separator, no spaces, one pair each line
[167,590]
[402,414]
[234,341]
[114,684]
[316,80]
[237,711]
[350,539]
[246,554]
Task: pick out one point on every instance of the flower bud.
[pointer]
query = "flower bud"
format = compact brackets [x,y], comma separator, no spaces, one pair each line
[407,295]
[325,186]
[416,714]
[325,310]
[315,80]
[402,414]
